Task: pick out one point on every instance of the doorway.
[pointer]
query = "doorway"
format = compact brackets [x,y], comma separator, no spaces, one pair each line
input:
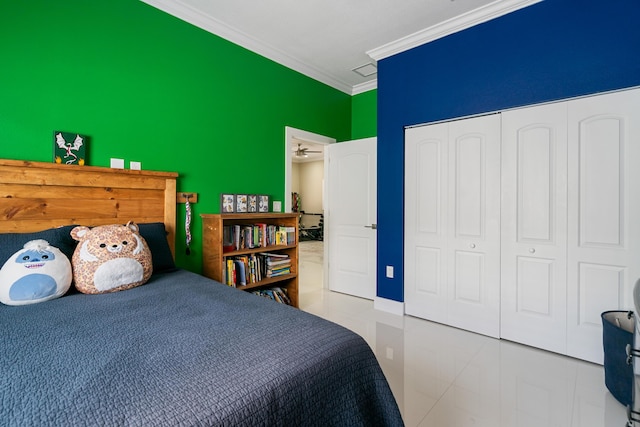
[304,175]
[292,137]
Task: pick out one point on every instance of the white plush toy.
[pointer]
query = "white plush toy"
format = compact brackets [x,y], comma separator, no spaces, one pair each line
[36,273]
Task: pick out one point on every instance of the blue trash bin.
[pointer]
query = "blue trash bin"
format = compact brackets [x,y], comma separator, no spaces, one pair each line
[617,334]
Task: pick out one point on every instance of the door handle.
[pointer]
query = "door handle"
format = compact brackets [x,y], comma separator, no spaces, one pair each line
[372,226]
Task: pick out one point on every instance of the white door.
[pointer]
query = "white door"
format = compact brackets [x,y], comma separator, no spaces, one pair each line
[425,221]
[452,223]
[350,217]
[604,214]
[474,225]
[534,226]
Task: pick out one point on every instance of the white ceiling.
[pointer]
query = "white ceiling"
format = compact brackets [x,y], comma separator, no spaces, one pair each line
[327,39]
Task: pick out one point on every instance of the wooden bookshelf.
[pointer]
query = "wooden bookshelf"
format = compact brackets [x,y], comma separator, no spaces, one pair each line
[214,255]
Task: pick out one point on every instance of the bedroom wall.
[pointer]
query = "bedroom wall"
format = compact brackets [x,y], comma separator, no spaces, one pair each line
[148,87]
[364,115]
[552,50]
[295,177]
[311,184]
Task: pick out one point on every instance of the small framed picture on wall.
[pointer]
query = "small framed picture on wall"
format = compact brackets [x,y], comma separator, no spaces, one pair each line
[242,203]
[263,203]
[253,203]
[227,203]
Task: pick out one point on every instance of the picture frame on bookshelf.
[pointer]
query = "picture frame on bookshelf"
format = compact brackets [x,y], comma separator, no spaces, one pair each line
[242,203]
[263,203]
[252,206]
[227,203]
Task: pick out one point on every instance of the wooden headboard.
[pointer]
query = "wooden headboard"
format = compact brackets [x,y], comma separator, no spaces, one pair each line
[35,196]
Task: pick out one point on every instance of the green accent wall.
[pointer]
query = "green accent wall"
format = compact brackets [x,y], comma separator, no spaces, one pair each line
[148,87]
[364,115]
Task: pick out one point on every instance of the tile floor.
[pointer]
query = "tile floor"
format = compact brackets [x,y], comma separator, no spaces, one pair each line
[447,377]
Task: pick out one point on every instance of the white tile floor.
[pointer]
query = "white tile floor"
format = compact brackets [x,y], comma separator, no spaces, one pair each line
[446,377]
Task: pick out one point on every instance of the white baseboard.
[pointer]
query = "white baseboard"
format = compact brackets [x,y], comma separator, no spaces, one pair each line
[389,306]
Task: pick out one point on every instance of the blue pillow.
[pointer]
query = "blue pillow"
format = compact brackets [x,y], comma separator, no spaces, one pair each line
[156,236]
[154,233]
[60,237]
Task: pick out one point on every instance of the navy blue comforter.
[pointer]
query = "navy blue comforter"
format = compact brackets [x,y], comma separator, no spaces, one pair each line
[184,350]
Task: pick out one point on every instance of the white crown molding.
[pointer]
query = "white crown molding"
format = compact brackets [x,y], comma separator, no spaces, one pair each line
[208,23]
[365,87]
[482,14]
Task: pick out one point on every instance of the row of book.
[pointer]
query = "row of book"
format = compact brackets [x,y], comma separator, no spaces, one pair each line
[242,270]
[249,236]
[276,294]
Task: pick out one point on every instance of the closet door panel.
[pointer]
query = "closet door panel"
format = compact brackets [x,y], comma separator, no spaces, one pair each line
[535,285]
[601,177]
[426,221]
[604,207]
[469,180]
[533,238]
[474,228]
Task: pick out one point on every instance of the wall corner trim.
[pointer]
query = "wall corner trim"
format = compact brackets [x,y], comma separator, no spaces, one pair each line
[365,87]
[186,13]
[477,16]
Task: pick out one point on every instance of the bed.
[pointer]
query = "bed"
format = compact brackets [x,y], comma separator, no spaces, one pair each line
[179,350]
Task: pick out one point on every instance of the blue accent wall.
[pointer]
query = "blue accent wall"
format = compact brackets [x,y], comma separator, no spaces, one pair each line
[552,50]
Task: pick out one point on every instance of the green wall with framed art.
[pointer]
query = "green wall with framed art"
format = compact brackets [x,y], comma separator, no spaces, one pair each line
[145,86]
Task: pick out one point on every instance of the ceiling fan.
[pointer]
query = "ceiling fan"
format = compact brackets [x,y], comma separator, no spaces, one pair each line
[303,152]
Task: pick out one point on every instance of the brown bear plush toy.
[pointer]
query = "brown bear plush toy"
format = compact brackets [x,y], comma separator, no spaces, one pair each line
[110,258]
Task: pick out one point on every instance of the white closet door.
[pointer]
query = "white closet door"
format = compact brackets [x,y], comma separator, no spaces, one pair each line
[425,273]
[473,253]
[604,214]
[534,226]
[452,223]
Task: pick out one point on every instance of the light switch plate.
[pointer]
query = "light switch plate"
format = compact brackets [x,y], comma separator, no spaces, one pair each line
[389,271]
[117,163]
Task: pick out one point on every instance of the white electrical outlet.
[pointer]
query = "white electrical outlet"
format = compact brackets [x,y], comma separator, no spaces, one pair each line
[277,206]
[135,166]
[390,271]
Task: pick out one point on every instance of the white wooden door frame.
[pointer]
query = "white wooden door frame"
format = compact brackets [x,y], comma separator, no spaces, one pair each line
[289,135]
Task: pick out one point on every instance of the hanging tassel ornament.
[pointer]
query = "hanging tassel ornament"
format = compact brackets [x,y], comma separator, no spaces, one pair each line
[187,223]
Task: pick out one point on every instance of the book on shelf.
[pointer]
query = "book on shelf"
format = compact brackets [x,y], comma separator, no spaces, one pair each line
[274,255]
[290,235]
[276,273]
[285,235]
[229,273]
[275,294]
[278,265]
[277,261]
[249,236]
[242,270]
